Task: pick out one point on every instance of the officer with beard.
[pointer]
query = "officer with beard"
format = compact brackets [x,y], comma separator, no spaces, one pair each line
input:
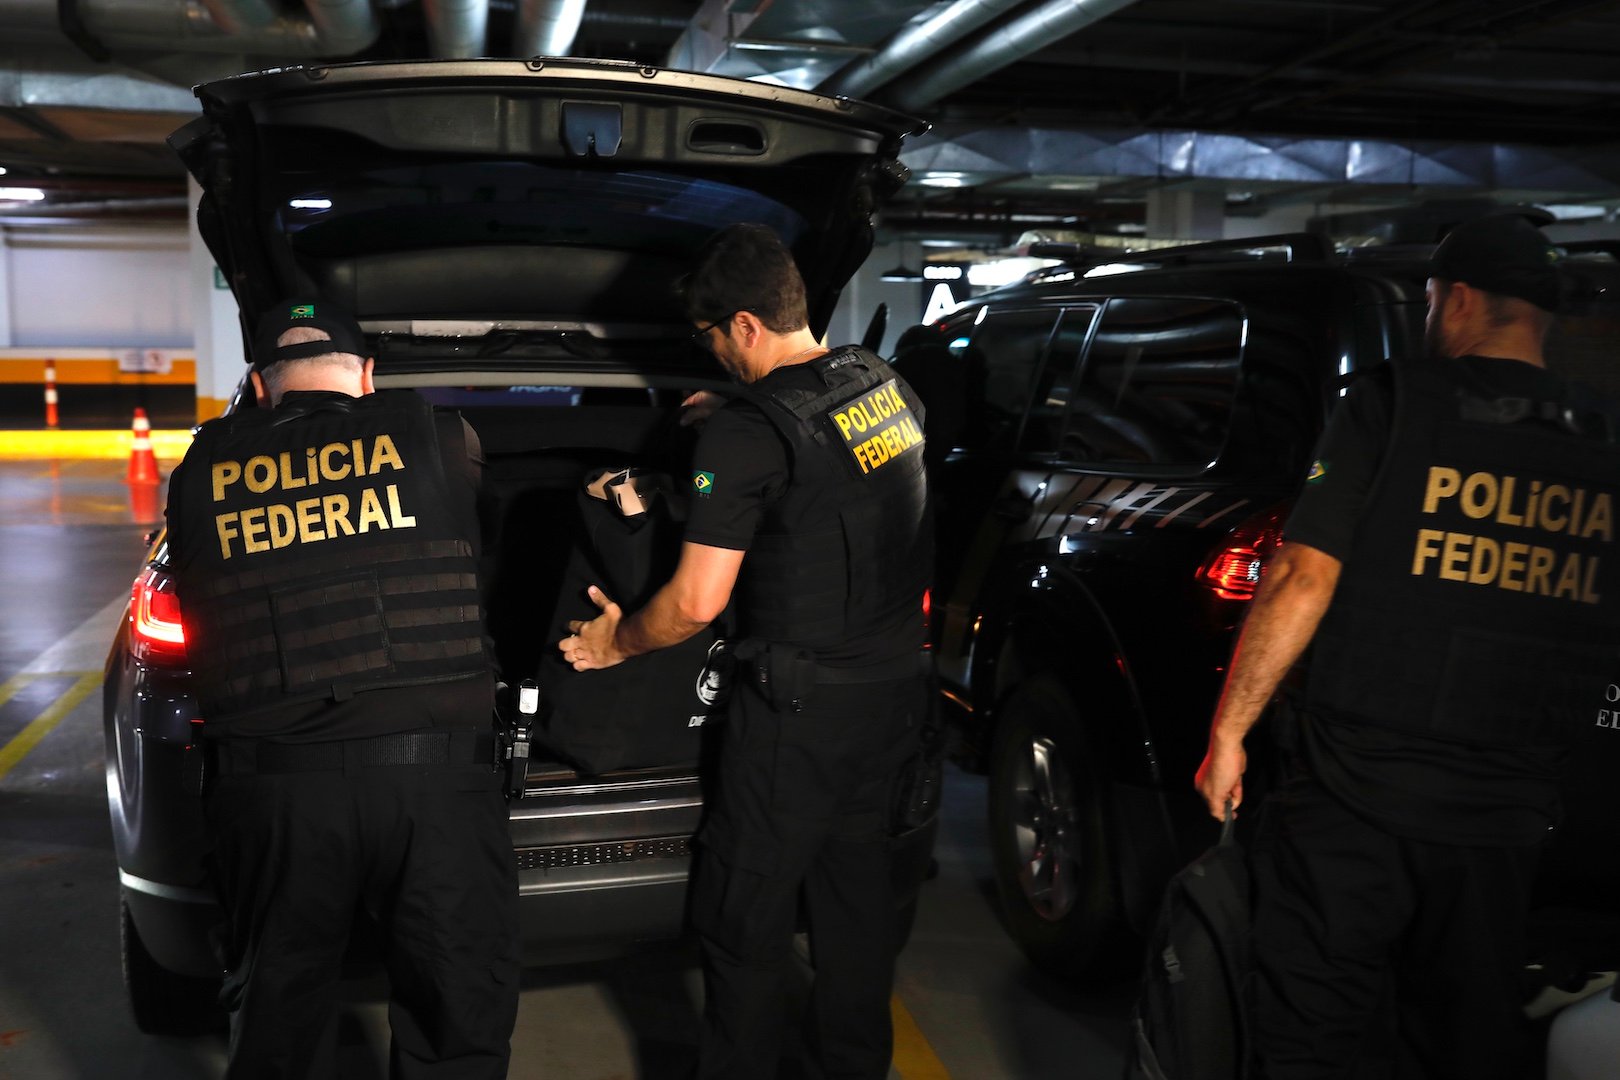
[325,549]
[809,497]
[1451,556]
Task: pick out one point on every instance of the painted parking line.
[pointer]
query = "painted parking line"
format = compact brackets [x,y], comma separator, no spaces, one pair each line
[914,1059]
[84,684]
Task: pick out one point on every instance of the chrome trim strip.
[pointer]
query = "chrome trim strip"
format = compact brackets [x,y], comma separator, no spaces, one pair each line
[166,892]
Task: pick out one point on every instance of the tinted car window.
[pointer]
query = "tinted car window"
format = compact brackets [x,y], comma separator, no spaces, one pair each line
[1005,352]
[1049,405]
[1157,384]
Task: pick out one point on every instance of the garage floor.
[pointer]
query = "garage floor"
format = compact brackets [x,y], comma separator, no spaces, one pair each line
[966,1004]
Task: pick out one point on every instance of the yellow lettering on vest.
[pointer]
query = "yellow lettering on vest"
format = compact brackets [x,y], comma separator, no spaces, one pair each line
[1589,593]
[913,430]
[261,474]
[312,473]
[860,458]
[899,402]
[881,403]
[335,509]
[1550,521]
[872,417]
[328,470]
[843,425]
[1600,522]
[309,520]
[371,511]
[1530,503]
[1487,560]
[225,473]
[1478,494]
[1575,511]
[253,528]
[283,526]
[358,456]
[1455,557]
[1513,559]
[384,453]
[1538,579]
[1504,509]
[1569,578]
[395,516]
[288,480]
[1428,546]
[1443,484]
[225,525]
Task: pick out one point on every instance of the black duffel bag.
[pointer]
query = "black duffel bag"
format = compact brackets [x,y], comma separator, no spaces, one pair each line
[649,710]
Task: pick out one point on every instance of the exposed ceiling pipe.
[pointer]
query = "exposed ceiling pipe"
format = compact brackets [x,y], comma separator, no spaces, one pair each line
[914,43]
[1024,34]
[331,28]
[546,27]
[457,29]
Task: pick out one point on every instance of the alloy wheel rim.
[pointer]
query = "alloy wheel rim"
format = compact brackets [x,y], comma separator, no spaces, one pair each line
[1046,829]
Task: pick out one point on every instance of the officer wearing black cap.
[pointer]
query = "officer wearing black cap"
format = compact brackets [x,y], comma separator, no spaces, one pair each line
[325,548]
[809,498]
[1452,555]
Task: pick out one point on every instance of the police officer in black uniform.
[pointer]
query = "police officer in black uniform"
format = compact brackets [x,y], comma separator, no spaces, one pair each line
[809,497]
[1452,555]
[325,548]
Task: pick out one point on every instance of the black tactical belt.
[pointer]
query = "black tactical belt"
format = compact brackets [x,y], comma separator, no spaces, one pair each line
[899,668]
[250,757]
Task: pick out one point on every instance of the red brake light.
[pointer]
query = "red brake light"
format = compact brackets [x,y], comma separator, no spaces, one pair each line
[156,633]
[1233,570]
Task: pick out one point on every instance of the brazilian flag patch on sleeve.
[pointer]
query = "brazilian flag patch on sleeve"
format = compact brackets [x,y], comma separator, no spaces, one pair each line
[703,483]
[1317,473]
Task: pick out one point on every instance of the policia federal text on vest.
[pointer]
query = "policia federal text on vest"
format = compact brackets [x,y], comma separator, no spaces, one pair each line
[1484,583]
[335,561]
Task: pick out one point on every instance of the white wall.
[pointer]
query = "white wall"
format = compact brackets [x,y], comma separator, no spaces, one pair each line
[98,286]
[866,291]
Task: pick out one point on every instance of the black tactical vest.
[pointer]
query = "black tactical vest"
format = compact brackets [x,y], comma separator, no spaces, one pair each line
[847,551]
[1481,599]
[323,554]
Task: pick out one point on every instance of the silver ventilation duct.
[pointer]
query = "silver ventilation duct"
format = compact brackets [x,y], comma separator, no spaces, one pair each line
[1029,32]
[250,27]
[457,29]
[546,27]
[916,42]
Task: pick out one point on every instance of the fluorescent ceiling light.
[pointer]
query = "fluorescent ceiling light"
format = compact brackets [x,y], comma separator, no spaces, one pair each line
[21,194]
[1001,272]
[311,204]
[943,179]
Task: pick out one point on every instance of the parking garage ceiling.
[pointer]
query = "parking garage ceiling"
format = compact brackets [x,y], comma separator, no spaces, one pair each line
[1056,112]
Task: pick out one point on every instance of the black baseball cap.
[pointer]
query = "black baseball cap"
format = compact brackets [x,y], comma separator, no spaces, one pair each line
[339,326]
[1502,254]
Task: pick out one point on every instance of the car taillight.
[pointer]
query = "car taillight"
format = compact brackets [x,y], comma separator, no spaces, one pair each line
[1233,570]
[156,633]
[928,614]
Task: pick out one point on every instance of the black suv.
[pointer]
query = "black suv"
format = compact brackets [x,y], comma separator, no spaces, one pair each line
[506,233]
[1116,447]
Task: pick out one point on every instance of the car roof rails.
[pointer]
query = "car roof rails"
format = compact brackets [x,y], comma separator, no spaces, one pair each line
[1284,247]
[1611,248]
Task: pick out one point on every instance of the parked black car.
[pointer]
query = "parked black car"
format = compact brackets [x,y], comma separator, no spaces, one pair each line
[506,233]
[1116,448]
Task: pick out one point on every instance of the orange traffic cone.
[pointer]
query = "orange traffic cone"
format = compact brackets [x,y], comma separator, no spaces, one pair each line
[142,462]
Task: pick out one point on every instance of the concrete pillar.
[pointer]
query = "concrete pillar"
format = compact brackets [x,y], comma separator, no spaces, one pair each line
[5,292]
[217,334]
[1185,214]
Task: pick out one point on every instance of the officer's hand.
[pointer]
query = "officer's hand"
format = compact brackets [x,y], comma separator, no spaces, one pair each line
[1220,777]
[700,406]
[593,643]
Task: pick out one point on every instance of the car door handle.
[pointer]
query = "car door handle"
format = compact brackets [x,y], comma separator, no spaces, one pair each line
[1014,508]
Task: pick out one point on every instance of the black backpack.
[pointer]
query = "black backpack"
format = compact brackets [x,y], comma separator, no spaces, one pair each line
[1191,1020]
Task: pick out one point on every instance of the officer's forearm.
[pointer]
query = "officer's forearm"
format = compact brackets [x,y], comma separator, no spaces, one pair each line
[1293,595]
[659,625]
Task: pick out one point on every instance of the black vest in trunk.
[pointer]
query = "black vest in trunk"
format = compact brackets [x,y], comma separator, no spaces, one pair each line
[1481,599]
[848,549]
[323,554]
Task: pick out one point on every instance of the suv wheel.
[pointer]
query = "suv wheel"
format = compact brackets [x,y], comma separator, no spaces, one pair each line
[1047,838]
[165,1003]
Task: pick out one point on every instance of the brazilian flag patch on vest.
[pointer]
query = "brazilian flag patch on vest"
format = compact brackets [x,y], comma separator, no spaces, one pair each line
[703,483]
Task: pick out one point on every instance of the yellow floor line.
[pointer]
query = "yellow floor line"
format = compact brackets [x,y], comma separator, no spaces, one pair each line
[29,737]
[914,1059]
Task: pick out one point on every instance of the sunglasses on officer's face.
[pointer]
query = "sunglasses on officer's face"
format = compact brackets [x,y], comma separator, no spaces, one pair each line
[700,336]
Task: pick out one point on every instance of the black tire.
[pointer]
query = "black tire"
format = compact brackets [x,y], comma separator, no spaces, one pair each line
[163,1002]
[1048,839]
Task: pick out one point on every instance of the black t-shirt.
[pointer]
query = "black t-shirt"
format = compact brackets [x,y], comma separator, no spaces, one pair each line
[392,710]
[741,468]
[1425,789]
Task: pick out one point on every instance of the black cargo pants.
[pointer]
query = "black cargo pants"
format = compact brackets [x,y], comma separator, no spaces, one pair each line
[803,802]
[1382,958]
[426,850]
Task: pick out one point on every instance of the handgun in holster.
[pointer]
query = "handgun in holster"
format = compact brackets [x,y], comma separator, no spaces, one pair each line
[784,675]
[517,728]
